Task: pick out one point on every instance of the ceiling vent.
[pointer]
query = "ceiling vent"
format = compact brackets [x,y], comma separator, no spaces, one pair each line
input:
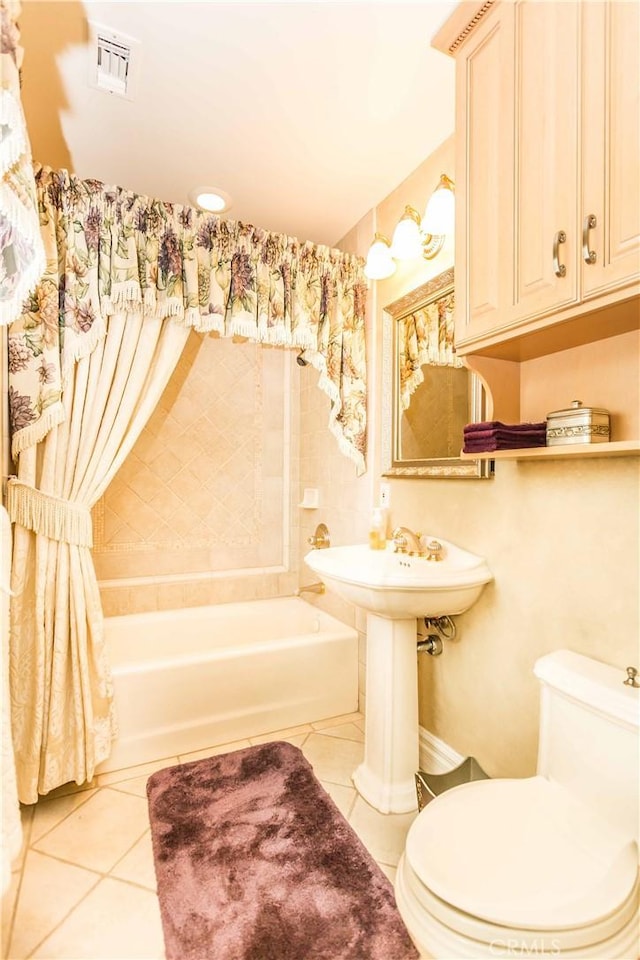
[113,61]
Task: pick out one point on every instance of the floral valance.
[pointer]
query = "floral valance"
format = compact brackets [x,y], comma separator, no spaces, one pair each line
[425,336]
[21,251]
[109,250]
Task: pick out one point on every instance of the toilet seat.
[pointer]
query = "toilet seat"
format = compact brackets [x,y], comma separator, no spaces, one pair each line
[621,923]
[520,828]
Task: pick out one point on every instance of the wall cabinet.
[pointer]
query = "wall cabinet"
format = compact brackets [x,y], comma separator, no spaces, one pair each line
[547,173]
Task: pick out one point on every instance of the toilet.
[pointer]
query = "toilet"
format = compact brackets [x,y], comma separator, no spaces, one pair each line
[545,866]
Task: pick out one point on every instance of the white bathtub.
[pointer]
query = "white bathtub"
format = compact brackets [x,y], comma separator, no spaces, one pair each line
[187,679]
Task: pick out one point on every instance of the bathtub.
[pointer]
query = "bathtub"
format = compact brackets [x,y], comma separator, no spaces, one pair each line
[188,679]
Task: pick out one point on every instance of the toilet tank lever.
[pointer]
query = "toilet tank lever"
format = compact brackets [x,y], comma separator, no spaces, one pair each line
[632,678]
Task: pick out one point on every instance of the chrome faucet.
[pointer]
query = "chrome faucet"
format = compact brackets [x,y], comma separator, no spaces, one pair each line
[403,539]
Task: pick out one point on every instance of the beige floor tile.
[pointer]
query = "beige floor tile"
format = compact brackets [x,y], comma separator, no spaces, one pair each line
[338,721]
[136,787]
[214,751]
[283,734]
[100,832]
[137,865]
[50,889]
[333,759]
[383,834]
[388,871]
[8,906]
[132,773]
[26,819]
[296,741]
[116,921]
[343,797]
[49,813]
[345,731]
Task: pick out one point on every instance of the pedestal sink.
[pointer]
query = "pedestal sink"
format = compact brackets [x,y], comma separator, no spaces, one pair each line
[395,589]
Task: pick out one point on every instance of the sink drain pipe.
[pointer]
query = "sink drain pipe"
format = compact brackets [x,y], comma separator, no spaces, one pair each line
[445,629]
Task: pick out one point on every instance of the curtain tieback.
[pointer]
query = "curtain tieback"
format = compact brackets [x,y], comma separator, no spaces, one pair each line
[49,516]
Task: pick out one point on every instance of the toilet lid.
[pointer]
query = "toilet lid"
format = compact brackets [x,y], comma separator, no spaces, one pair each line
[521,853]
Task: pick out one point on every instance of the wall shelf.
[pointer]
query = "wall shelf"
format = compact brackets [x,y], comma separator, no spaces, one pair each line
[617,448]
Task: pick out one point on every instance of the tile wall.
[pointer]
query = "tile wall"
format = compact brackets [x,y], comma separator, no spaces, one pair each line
[201,510]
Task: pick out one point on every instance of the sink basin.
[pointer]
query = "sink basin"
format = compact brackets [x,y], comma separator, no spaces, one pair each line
[395,589]
[396,585]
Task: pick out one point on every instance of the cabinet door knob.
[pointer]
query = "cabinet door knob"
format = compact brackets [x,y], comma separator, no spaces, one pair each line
[589,256]
[558,268]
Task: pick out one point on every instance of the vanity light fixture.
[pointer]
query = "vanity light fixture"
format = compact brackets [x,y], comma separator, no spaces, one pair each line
[414,237]
[211,199]
[380,263]
[439,216]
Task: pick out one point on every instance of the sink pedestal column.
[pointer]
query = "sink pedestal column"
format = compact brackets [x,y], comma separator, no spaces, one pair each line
[391,748]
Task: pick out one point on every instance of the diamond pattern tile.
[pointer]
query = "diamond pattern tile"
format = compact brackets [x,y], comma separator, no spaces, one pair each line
[195,479]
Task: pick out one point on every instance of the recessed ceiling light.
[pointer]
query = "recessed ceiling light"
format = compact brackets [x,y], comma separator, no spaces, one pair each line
[212,199]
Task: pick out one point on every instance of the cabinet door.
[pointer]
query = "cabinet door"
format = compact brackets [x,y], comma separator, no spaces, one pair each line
[611,145]
[484,177]
[546,157]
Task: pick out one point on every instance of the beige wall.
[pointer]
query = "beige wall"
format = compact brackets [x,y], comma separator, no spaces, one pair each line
[561,538]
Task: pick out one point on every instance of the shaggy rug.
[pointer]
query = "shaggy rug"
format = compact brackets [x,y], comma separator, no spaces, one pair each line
[255,862]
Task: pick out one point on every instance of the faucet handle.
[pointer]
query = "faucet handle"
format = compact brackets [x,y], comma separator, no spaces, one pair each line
[434,550]
[632,678]
[400,542]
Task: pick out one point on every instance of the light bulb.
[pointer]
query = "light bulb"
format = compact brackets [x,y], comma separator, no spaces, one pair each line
[439,216]
[379,263]
[407,242]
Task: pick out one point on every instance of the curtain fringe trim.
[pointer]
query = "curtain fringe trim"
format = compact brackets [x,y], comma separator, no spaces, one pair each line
[49,516]
[35,432]
[410,386]
[328,387]
[82,347]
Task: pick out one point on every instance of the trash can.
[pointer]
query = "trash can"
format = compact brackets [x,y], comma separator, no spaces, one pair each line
[430,785]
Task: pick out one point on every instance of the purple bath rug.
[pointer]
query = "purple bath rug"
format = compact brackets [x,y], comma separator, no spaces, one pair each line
[255,862]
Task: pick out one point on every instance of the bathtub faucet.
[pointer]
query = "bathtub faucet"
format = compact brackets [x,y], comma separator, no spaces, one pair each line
[312,588]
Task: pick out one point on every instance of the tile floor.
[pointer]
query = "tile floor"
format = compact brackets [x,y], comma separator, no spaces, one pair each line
[84,886]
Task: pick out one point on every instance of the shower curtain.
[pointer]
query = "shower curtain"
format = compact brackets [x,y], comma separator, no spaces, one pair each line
[22,263]
[126,279]
[65,723]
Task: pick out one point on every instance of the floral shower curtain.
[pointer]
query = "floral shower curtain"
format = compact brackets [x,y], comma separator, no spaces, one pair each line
[425,336]
[22,262]
[116,261]
[21,250]
[63,719]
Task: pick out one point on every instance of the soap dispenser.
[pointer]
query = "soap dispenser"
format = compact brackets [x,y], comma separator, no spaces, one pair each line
[378,529]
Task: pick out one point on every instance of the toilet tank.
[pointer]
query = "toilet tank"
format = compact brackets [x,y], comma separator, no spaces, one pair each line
[589,741]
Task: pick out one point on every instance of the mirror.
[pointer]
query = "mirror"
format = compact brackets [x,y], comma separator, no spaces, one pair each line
[428,393]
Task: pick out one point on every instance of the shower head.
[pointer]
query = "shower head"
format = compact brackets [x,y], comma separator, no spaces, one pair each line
[301,360]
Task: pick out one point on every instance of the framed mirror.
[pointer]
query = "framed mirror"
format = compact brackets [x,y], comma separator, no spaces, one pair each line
[428,393]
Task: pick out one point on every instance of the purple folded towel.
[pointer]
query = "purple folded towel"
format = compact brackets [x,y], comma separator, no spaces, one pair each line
[490,444]
[505,434]
[498,425]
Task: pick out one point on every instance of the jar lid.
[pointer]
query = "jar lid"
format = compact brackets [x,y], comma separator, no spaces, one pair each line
[576,408]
